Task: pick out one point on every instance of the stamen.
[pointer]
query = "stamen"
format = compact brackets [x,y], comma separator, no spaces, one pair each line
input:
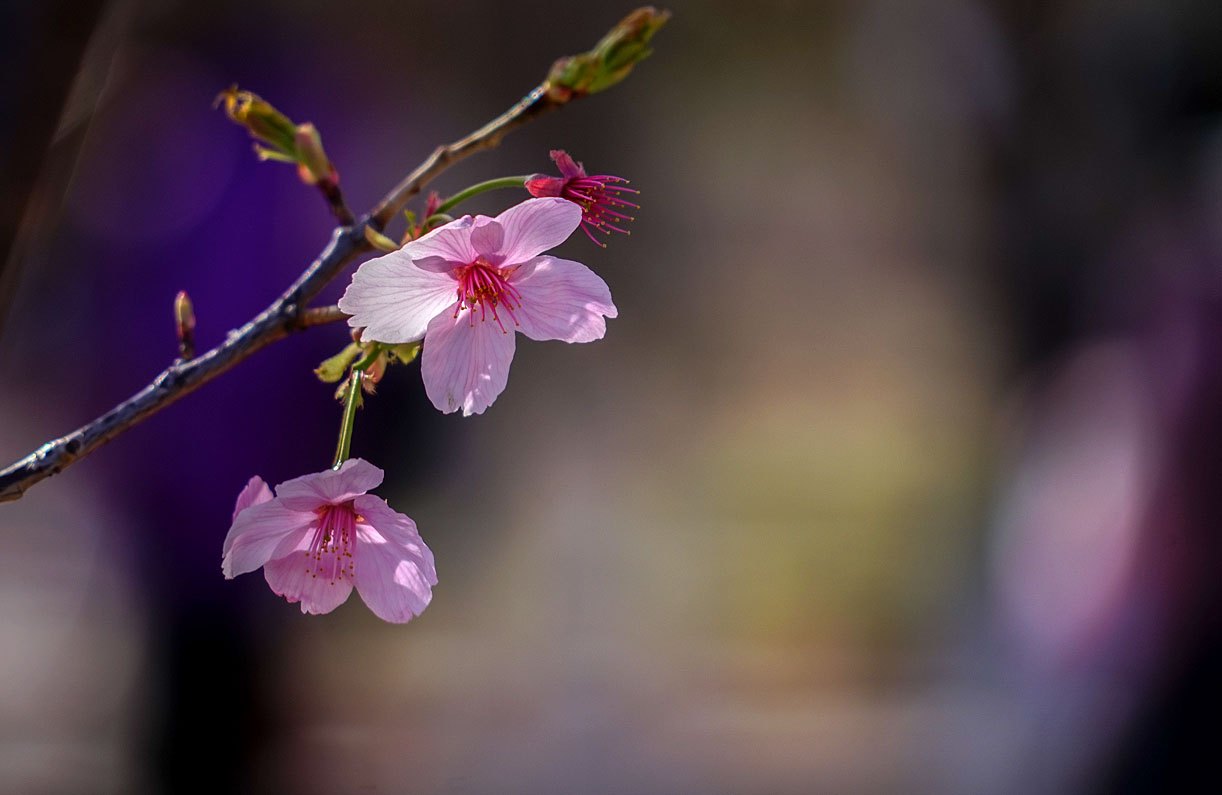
[334,540]
[483,283]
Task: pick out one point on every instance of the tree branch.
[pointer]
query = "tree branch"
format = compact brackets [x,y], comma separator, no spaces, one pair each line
[571,77]
[285,315]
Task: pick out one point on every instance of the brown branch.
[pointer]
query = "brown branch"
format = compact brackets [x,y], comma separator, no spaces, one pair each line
[335,202]
[572,77]
[286,314]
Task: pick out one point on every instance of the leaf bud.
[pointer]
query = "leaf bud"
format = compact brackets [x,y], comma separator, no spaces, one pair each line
[184,324]
[611,59]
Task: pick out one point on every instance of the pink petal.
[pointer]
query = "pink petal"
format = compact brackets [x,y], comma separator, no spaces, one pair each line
[329,487]
[451,241]
[393,299]
[561,300]
[487,237]
[465,362]
[257,532]
[255,492]
[536,225]
[568,167]
[292,578]
[398,529]
[390,577]
[438,265]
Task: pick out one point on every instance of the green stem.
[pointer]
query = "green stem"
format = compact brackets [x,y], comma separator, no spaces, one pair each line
[345,428]
[475,190]
[350,402]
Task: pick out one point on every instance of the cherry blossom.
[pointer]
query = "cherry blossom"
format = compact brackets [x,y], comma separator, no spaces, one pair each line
[466,287]
[597,196]
[321,535]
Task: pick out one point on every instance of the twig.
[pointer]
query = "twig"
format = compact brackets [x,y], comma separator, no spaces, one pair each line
[286,314]
[571,77]
[335,202]
[530,107]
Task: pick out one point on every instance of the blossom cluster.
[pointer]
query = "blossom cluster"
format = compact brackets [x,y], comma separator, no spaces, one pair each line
[462,291]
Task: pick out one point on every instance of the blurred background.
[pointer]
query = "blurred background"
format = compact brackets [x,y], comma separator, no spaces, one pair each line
[895,474]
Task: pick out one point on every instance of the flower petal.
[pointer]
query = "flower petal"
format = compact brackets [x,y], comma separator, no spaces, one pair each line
[255,492]
[257,532]
[437,265]
[398,529]
[536,225]
[466,360]
[393,299]
[561,300]
[329,487]
[451,241]
[292,578]
[487,236]
[568,167]
[390,578]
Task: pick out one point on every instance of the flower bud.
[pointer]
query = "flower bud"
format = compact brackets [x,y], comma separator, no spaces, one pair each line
[263,121]
[286,142]
[611,59]
[184,324]
[312,164]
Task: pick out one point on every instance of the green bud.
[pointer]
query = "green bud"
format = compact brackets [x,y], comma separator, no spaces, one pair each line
[263,121]
[611,59]
[312,164]
[285,141]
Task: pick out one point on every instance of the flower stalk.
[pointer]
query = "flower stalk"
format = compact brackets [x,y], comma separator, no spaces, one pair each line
[477,189]
[352,400]
[345,429]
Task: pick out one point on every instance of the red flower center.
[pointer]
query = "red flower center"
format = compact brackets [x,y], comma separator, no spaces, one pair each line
[482,283]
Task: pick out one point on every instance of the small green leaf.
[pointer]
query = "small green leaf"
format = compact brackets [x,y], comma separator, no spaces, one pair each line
[333,369]
[406,352]
[379,241]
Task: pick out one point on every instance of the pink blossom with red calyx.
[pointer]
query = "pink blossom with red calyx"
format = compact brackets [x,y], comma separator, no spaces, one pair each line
[467,288]
[598,196]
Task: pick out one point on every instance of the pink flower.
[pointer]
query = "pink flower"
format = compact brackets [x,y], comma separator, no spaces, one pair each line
[322,534]
[466,286]
[597,196]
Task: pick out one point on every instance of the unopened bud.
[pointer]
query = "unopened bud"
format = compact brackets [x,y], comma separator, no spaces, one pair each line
[312,164]
[285,141]
[184,324]
[263,121]
[611,59]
